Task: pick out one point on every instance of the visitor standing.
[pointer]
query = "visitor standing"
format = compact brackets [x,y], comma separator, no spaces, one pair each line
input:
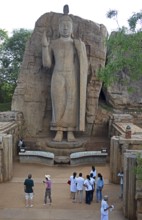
[88,188]
[94,172]
[99,187]
[73,186]
[92,181]
[80,187]
[121,175]
[47,194]
[21,145]
[105,208]
[28,188]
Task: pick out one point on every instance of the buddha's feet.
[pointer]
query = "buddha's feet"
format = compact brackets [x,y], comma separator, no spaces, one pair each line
[59,136]
[70,136]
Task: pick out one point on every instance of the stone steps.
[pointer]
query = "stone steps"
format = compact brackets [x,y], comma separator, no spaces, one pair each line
[93,143]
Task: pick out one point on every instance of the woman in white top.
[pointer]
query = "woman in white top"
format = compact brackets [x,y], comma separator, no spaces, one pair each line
[73,185]
[88,189]
[80,183]
[94,172]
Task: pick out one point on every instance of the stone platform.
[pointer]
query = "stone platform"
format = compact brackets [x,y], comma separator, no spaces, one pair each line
[65,148]
[88,157]
[40,157]
[71,153]
[78,158]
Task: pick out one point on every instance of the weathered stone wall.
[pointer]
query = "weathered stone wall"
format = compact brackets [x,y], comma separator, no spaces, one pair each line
[132,202]
[115,159]
[119,145]
[120,98]
[12,122]
[32,95]
[6,157]
[123,153]
[129,191]
[11,125]
[138,197]
[115,120]
[123,156]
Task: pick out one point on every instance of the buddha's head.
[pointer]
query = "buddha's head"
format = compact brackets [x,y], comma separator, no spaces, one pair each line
[65,26]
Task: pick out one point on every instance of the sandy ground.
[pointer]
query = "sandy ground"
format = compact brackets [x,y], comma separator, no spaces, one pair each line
[12,204]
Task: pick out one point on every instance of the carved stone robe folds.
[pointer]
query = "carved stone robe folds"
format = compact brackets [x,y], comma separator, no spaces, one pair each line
[68,84]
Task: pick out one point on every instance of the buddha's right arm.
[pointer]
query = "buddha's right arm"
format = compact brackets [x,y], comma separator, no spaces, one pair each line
[46,55]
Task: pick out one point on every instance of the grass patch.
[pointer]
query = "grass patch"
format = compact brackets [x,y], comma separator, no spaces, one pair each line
[105,106]
[5,107]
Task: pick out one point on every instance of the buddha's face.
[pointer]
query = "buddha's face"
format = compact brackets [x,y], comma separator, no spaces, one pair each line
[65,28]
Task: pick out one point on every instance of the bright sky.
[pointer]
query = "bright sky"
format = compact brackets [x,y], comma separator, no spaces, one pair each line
[17,14]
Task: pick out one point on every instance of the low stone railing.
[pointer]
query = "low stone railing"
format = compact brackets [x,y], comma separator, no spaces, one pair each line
[41,157]
[85,157]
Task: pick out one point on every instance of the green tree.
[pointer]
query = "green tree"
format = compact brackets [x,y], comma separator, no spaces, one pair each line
[11,56]
[138,169]
[134,20]
[124,52]
[3,36]
[113,14]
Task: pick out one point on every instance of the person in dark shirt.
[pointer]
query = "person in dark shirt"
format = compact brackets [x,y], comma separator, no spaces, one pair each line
[28,188]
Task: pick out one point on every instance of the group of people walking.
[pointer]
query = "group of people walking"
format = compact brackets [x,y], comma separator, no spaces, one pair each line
[93,182]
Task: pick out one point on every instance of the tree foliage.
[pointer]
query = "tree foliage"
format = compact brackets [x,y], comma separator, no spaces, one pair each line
[124,54]
[11,56]
[113,14]
[3,36]
[138,169]
[134,20]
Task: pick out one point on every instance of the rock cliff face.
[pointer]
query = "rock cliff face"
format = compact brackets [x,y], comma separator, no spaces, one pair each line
[119,95]
[32,94]
[125,92]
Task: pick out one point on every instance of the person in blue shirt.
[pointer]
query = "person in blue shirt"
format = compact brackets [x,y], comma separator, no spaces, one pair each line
[99,187]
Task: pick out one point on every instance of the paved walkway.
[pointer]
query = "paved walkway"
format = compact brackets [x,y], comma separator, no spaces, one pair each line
[12,195]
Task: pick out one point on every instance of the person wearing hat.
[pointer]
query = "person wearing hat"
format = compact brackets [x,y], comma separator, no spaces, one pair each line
[48,184]
[104,208]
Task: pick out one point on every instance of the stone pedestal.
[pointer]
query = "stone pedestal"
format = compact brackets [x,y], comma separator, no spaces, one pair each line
[66,148]
[62,150]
